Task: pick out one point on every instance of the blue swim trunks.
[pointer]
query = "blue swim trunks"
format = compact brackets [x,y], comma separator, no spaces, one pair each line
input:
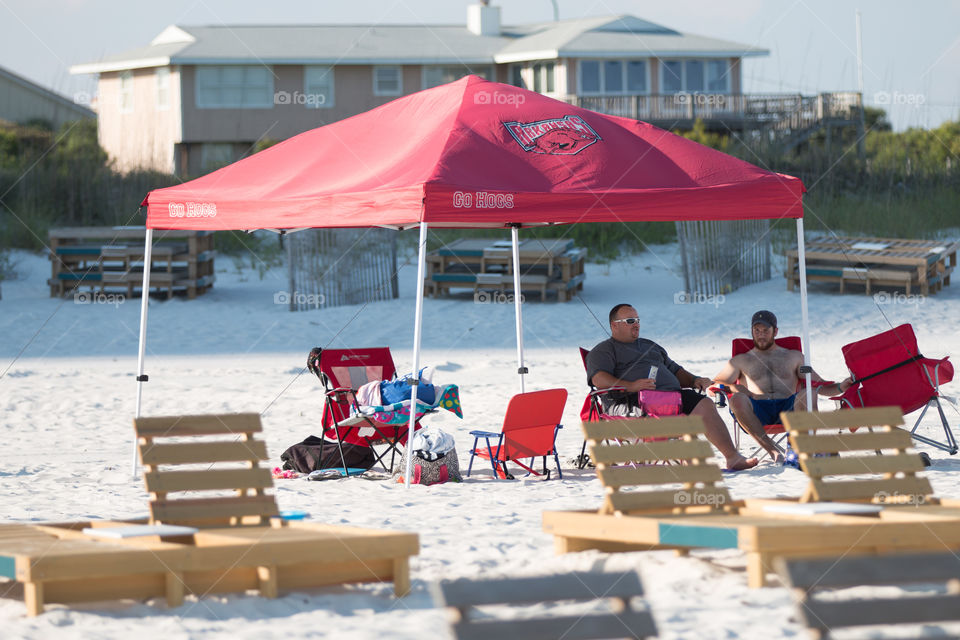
[768,411]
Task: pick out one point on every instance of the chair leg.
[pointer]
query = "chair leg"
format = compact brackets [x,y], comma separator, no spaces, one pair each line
[583,459]
[556,458]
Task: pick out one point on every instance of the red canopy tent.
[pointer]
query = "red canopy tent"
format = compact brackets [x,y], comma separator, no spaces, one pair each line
[475,153]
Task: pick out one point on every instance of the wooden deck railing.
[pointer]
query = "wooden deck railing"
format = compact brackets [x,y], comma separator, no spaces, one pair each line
[781,111]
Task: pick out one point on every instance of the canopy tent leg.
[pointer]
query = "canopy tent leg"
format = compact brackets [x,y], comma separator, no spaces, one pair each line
[517,301]
[804,316]
[144,300]
[417,326]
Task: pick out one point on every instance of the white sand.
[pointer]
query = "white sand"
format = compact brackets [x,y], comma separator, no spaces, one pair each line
[67,402]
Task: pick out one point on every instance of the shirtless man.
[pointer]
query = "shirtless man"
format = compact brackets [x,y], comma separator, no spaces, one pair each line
[771,374]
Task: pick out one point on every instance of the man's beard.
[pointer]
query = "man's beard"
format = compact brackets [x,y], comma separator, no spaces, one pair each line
[764,346]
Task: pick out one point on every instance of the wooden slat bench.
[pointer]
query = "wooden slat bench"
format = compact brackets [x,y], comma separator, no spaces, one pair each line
[812,578]
[691,509]
[233,540]
[466,597]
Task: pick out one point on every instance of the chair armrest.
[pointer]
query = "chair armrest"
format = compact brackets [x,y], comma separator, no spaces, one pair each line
[485,434]
[600,392]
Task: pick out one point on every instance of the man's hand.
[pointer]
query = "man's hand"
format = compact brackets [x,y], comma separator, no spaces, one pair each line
[641,384]
[701,384]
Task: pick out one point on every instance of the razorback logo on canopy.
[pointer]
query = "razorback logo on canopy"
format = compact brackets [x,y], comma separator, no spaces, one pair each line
[564,136]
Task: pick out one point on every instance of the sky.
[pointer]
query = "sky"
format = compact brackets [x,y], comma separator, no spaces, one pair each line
[911,51]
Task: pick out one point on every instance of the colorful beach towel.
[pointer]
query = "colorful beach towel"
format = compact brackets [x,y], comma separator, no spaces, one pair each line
[447,398]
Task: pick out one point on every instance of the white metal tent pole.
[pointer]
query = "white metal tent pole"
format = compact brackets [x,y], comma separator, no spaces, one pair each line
[144,300]
[417,326]
[517,302]
[804,316]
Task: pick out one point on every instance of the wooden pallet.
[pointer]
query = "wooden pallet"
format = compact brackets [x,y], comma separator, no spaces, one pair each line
[690,509]
[871,262]
[225,536]
[465,598]
[110,260]
[812,578]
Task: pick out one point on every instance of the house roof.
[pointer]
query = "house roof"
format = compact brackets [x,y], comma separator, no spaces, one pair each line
[610,36]
[52,96]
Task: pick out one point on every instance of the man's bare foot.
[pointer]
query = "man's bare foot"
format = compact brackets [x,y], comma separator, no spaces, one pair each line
[740,463]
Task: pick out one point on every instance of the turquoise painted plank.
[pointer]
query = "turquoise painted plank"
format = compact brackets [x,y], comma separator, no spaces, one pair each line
[690,536]
[824,272]
[79,276]
[8,567]
[78,251]
[454,277]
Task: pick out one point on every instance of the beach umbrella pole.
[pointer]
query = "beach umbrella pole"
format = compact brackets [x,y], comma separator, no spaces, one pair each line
[144,300]
[517,301]
[804,316]
[417,326]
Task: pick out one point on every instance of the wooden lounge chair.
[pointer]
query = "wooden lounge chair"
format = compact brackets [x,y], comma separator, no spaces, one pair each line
[694,511]
[226,542]
[465,597]
[811,578]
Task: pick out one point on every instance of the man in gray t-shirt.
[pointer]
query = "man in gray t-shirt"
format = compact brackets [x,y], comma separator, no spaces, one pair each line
[627,360]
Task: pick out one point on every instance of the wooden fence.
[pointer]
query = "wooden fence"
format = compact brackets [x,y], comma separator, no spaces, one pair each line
[334,267]
[721,256]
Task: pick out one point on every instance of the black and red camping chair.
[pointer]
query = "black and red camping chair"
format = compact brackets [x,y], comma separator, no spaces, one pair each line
[888,369]
[342,372]
[592,409]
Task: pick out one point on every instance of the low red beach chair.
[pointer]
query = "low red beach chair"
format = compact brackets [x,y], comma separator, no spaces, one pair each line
[529,430]
[888,369]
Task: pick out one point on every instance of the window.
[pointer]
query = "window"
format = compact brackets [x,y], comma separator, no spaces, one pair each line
[694,81]
[317,88]
[436,75]
[387,81]
[215,155]
[163,88]
[671,76]
[613,76]
[544,77]
[126,92]
[590,76]
[234,87]
[516,76]
[637,76]
[695,76]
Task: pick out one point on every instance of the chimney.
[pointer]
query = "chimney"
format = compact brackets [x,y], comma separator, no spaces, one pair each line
[482,19]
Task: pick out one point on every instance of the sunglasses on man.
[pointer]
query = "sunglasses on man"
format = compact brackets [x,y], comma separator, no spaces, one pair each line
[629,320]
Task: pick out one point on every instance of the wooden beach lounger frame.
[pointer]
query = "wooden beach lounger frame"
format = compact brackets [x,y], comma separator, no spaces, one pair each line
[60,563]
[700,514]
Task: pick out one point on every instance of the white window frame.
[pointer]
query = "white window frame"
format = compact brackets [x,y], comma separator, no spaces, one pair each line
[311,84]
[125,92]
[163,88]
[475,70]
[267,102]
[706,75]
[377,91]
[624,63]
[539,70]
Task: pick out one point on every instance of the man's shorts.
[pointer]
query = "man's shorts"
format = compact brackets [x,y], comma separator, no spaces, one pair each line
[768,410]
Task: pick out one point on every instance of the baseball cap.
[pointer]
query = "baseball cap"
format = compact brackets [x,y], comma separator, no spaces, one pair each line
[764,317]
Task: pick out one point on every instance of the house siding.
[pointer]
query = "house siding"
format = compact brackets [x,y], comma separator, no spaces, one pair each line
[144,137]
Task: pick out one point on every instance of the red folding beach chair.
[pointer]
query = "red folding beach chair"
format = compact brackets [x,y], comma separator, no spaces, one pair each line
[592,409]
[529,430]
[342,372]
[888,369]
